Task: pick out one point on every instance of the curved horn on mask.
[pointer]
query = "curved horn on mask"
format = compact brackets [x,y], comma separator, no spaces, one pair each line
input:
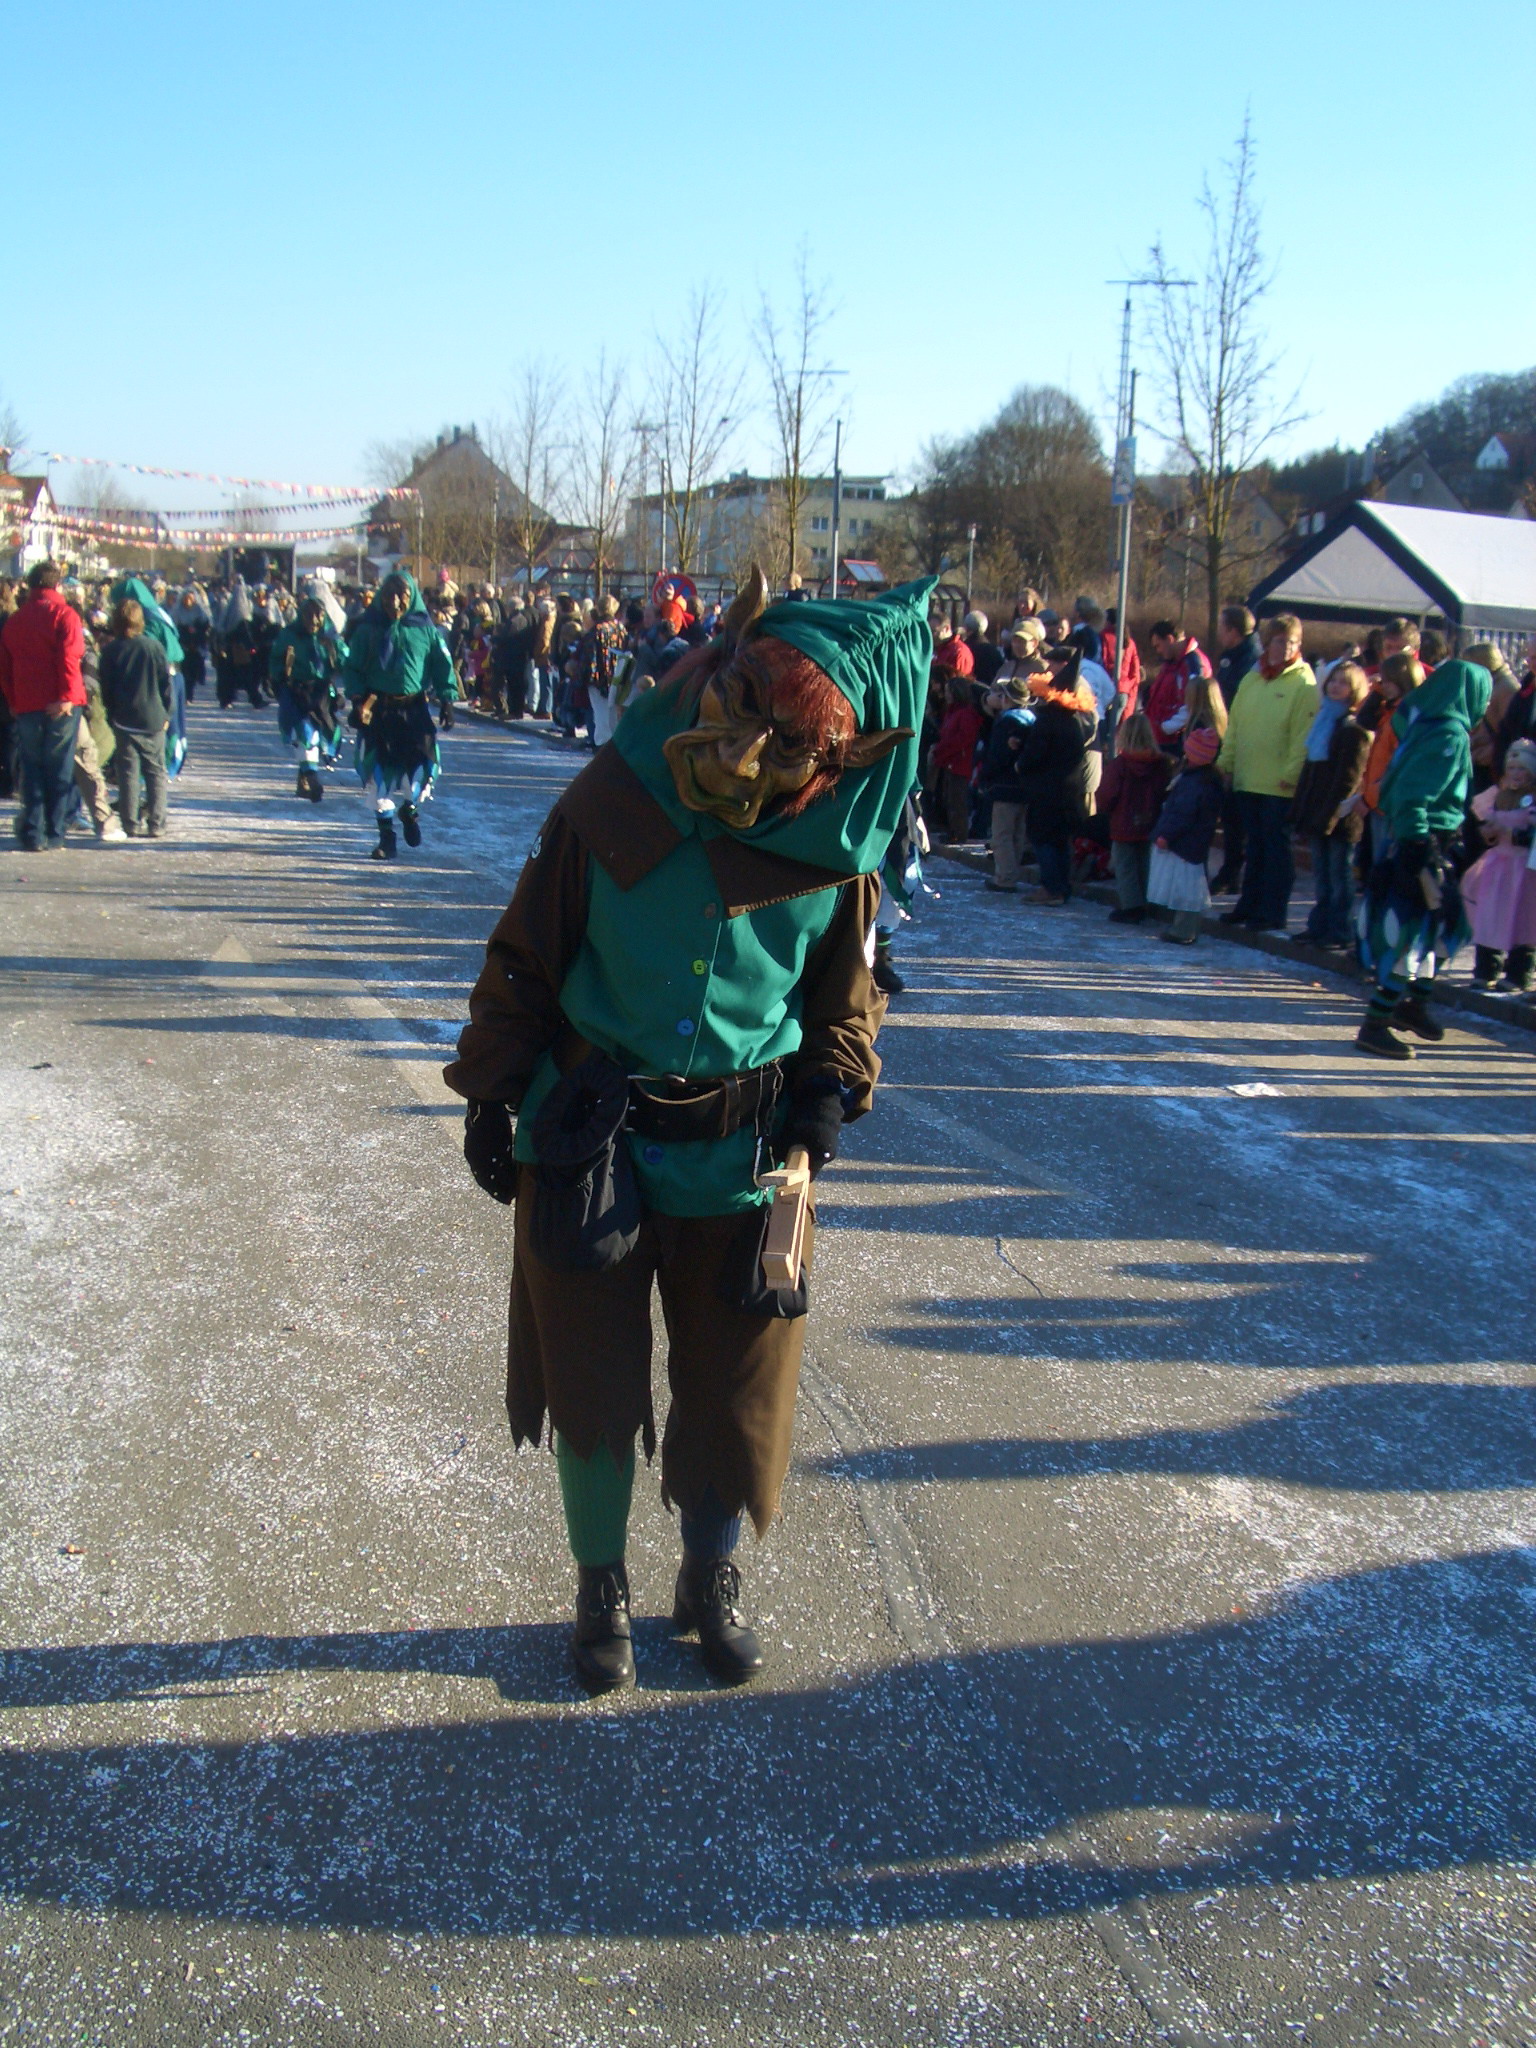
[747,606]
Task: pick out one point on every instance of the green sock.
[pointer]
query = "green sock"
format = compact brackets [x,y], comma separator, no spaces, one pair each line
[595,1493]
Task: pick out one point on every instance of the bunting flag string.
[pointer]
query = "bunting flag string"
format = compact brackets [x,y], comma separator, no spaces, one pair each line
[145,535]
[359,494]
[221,512]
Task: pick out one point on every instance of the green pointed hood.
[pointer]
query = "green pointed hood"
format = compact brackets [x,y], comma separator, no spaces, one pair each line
[158,624]
[416,605]
[1457,690]
[877,654]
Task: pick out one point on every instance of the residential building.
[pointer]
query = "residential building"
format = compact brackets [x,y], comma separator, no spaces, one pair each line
[469,511]
[743,514]
[29,532]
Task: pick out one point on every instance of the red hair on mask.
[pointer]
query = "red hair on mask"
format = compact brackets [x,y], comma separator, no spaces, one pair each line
[806,705]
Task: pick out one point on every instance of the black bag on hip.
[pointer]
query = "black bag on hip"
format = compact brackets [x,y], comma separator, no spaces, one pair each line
[586,1201]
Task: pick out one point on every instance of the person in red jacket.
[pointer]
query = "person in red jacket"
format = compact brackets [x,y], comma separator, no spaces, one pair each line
[40,651]
[1181,660]
[954,758]
[1123,663]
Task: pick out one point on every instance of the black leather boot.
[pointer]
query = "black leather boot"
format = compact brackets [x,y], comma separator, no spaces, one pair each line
[410,824]
[1413,1014]
[386,848]
[708,1600]
[601,1648]
[1376,1036]
[885,977]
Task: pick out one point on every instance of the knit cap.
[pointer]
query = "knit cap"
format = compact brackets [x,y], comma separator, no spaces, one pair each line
[1201,746]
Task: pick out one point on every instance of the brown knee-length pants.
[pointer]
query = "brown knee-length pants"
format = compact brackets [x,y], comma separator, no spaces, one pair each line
[579,1348]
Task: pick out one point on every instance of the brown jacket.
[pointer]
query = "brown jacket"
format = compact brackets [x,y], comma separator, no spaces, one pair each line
[1323,785]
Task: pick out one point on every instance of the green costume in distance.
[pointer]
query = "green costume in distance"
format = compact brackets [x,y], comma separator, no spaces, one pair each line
[392,668]
[158,625]
[308,691]
[1411,918]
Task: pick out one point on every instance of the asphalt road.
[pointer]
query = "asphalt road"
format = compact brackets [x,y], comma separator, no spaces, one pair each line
[1153,1610]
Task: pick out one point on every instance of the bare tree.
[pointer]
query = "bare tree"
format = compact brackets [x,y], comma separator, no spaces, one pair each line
[791,350]
[527,445]
[697,403]
[1216,391]
[13,435]
[388,463]
[602,462]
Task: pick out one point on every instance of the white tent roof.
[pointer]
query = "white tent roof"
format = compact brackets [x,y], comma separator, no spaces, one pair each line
[1353,570]
[1476,570]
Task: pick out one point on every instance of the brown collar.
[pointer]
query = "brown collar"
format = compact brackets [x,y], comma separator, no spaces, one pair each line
[628,834]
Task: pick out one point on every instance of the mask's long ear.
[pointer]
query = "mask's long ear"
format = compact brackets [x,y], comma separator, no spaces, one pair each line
[747,606]
[866,748]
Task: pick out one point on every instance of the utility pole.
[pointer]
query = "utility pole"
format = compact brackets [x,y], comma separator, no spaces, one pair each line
[645,429]
[1122,489]
[495,524]
[837,499]
[970,561]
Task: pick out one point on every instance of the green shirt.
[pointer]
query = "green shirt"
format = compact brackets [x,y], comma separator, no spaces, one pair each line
[666,983]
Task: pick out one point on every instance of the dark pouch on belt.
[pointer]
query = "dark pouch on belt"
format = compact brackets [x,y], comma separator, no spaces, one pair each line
[741,1283]
[586,1204]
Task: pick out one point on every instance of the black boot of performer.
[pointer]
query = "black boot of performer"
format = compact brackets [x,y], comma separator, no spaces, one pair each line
[708,1600]
[1412,1014]
[316,786]
[601,1648]
[386,848]
[410,824]
[885,977]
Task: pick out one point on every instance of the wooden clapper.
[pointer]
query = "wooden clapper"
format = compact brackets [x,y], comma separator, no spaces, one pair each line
[784,1245]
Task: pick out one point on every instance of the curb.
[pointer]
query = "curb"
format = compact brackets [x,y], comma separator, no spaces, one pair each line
[1517,1010]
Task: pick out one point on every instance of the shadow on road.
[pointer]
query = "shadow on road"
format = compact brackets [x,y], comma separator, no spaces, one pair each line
[1402,1438]
[1370,1724]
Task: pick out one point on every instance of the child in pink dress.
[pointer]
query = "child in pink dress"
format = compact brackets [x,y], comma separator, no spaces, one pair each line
[1500,890]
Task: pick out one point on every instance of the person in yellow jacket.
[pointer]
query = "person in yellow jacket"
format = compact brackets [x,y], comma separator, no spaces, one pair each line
[1271,714]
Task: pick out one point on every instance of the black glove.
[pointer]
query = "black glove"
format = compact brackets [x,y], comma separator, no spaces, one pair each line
[815,1120]
[446,720]
[488,1148]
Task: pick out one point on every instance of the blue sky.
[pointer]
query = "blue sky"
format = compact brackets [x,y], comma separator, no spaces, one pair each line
[258,251]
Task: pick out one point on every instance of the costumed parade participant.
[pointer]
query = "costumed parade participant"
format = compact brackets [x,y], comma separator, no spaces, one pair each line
[194,622]
[1411,918]
[159,626]
[678,994]
[235,661]
[396,661]
[901,880]
[304,669]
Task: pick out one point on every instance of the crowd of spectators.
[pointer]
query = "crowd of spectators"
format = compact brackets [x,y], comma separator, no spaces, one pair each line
[1184,778]
[1191,779]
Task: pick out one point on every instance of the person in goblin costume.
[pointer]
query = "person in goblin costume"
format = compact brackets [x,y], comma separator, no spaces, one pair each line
[678,995]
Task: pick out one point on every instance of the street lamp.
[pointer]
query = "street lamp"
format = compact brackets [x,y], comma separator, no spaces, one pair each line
[837,483]
[970,561]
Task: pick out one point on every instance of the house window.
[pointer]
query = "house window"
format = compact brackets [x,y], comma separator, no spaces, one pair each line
[1417,480]
[818,554]
[820,523]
